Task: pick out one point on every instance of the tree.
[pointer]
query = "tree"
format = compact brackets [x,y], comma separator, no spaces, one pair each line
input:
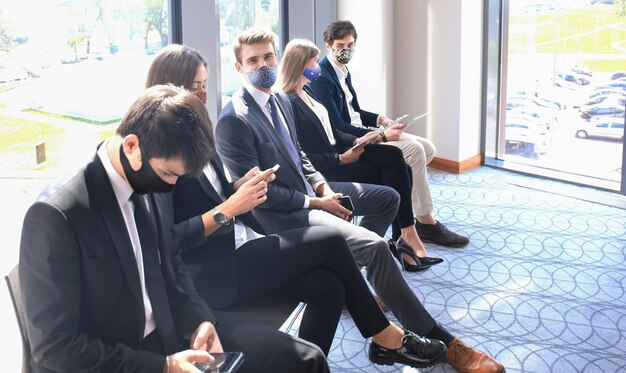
[6,41]
[156,19]
[620,6]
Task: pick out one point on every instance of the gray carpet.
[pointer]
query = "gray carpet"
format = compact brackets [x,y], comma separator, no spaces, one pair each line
[540,287]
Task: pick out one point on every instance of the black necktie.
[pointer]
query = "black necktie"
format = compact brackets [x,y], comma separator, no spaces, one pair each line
[288,143]
[155,284]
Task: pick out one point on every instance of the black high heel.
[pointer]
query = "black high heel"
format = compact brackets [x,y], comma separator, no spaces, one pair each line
[421,264]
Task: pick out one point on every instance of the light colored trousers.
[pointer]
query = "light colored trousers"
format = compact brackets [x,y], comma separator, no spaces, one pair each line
[418,152]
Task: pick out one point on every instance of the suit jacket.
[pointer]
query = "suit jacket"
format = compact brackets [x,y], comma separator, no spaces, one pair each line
[328,90]
[246,138]
[80,284]
[313,138]
[211,260]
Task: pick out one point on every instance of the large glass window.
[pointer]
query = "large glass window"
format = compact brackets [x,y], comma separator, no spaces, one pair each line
[565,86]
[68,71]
[235,17]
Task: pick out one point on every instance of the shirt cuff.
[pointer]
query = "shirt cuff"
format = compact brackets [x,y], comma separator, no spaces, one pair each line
[307,201]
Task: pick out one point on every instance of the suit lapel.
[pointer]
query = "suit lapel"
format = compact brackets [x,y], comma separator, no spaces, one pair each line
[313,119]
[98,184]
[328,66]
[260,116]
[206,186]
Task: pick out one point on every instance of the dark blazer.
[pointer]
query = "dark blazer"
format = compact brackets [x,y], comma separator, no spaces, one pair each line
[211,260]
[80,284]
[328,90]
[313,138]
[246,138]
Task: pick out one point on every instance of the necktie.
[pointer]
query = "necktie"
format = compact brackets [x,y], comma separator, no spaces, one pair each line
[155,284]
[288,143]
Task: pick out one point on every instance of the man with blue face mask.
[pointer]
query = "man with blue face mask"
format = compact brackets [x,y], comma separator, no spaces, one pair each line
[256,129]
[335,91]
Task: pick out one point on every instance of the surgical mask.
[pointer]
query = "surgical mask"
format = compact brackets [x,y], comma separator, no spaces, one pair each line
[202,96]
[144,180]
[312,74]
[342,56]
[264,77]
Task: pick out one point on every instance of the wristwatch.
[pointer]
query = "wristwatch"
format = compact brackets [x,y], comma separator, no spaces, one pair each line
[220,218]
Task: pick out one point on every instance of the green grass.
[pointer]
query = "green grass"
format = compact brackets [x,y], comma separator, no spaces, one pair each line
[76,119]
[589,30]
[18,138]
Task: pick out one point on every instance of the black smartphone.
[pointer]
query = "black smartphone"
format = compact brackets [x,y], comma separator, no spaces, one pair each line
[227,362]
[346,202]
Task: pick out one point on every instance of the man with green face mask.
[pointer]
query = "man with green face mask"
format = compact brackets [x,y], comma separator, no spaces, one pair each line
[334,89]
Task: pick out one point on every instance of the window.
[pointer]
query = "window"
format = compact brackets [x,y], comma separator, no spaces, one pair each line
[237,16]
[562,67]
[68,72]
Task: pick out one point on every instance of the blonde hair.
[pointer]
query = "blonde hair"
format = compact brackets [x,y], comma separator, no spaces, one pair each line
[297,54]
[252,36]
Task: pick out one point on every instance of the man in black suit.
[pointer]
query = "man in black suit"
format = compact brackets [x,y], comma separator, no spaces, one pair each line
[103,284]
[335,91]
[246,137]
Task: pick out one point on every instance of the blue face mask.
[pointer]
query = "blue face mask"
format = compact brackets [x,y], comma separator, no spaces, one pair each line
[264,77]
[312,74]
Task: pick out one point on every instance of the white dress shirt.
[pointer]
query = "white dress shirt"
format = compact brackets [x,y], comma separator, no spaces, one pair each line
[322,114]
[123,191]
[342,74]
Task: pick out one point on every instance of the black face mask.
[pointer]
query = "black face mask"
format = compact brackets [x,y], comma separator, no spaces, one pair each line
[144,180]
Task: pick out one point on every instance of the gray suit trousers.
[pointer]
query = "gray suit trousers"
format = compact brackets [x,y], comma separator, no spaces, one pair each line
[377,205]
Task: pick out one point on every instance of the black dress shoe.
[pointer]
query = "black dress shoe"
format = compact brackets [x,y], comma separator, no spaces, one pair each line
[440,235]
[420,263]
[416,351]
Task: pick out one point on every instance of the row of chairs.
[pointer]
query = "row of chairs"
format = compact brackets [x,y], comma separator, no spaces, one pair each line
[277,312]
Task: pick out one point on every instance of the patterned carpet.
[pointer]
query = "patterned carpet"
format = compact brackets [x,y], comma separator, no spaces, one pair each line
[540,287]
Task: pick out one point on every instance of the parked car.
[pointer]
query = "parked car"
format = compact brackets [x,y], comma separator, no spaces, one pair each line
[619,74]
[608,91]
[617,83]
[606,127]
[602,109]
[581,70]
[619,99]
[579,79]
[525,139]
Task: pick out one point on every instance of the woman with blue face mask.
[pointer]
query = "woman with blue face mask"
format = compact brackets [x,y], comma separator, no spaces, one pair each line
[334,154]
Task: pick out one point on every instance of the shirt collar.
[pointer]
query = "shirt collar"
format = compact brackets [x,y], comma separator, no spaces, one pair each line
[342,72]
[260,97]
[121,188]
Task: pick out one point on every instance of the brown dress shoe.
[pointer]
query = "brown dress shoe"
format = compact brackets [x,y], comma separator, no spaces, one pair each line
[467,360]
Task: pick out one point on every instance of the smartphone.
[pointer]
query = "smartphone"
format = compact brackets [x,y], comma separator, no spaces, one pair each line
[227,362]
[346,202]
[275,168]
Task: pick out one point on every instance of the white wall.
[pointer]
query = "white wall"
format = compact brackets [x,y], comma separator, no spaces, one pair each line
[372,64]
[428,55]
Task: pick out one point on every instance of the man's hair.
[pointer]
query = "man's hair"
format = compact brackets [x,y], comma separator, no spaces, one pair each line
[171,123]
[297,54]
[338,30]
[175,64]
[252,36]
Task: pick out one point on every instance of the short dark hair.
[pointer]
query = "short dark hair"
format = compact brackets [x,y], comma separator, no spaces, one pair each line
[171,123]
[338,30]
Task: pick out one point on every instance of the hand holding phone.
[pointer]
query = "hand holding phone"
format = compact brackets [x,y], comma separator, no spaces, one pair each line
[227,362]
[346,202]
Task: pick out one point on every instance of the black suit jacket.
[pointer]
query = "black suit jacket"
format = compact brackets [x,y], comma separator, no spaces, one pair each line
[211,260]
[313,138]
[80,284]
[246,138]
[328,90]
